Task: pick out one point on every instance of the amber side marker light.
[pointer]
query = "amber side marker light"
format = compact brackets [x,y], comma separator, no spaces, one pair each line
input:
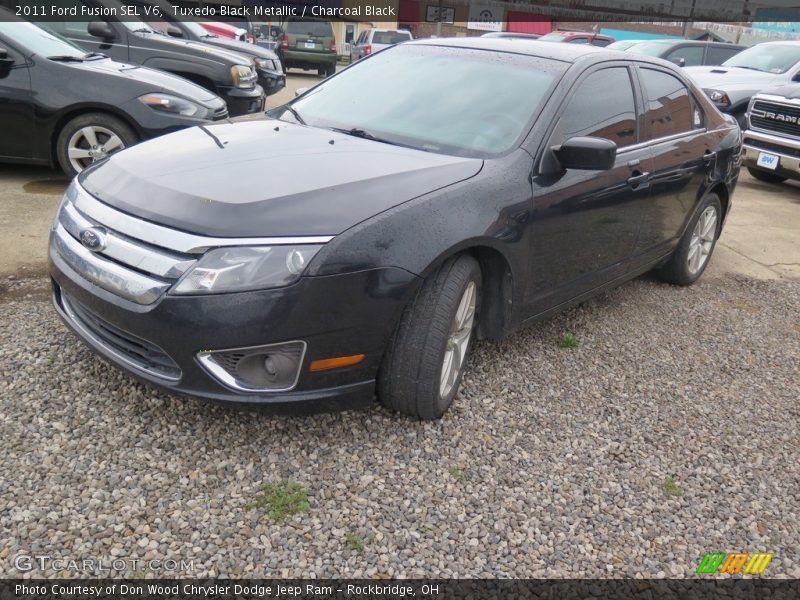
[333,363]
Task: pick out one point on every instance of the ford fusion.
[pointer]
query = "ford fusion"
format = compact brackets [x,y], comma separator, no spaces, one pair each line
[435,192]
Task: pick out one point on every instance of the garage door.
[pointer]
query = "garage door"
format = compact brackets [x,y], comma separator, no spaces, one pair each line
[525,22]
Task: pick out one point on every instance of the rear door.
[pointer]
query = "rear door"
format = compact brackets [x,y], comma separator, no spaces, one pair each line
[719,54]
[674,125]
[585,223]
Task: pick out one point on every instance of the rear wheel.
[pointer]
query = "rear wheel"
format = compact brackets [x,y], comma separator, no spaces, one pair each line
[423,368]
[766,177]
[89,138]
[694,251]
[331,70]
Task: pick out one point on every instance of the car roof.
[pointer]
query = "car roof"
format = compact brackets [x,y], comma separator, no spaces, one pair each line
[530,47]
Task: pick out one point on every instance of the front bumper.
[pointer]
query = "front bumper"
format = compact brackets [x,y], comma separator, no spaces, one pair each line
[271,81]
[787,149]
[243,102]
[339,315]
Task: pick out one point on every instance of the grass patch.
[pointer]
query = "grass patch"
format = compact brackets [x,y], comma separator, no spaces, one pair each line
[670,488]
[354,540]
[458,473]
[568,340]
[281,499]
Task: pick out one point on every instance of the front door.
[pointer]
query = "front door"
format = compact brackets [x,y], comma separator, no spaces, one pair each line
[17,120]
[585,223]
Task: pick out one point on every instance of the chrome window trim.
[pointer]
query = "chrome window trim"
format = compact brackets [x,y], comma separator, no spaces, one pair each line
[76,322]
[172,239]
[221,375]
[666,138]
[106,274]
[152,260]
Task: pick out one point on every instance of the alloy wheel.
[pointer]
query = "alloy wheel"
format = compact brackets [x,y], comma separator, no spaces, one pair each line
[702,240]
[458,341]
[90,144]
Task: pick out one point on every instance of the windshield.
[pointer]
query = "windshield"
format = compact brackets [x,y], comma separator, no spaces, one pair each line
[40,41]
[770,58]
[650,48]
[437,99]
[552,37]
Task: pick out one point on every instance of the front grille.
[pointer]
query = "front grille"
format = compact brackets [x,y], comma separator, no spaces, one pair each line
[771,116]
[130,349]
[771,147]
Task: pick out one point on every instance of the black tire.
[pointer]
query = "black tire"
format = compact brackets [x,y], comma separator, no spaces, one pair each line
[103,121]
[331,71]
[677,270]
[322,72]
[409,378]
[765,177]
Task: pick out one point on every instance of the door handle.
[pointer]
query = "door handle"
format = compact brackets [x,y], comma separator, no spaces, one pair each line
[708,156]
[638,178]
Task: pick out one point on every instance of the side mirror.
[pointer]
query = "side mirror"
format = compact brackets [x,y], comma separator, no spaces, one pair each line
[680,61]
[796,76]
[300,91]
[101,29]
[173,31]
[587,153]
[5,63]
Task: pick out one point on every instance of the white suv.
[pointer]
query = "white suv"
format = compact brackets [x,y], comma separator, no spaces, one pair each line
[372,40]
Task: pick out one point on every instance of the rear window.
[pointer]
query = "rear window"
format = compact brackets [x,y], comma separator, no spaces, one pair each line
[390,37]
[315,28]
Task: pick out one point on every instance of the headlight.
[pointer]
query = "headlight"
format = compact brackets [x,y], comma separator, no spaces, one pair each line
[718,97]
[265,63]
[243,76]
[171,104]
[238,269]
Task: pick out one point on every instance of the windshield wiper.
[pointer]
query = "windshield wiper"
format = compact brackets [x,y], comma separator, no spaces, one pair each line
[295,114]
[143,30]
[366,135]
[66,58]
[95,55]
[751,68]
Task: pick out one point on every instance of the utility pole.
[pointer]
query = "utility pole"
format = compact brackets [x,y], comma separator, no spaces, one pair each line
[687,25]
[439,20]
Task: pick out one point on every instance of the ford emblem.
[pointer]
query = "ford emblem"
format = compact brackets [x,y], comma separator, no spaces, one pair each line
[94,239]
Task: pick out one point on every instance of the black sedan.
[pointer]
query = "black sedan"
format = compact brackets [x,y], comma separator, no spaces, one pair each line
[62,105]
[401,221]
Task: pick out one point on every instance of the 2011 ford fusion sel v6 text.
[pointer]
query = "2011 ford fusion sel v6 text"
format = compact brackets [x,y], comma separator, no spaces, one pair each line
[434,192]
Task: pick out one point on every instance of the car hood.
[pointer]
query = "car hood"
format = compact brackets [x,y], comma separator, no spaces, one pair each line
[790,91]
[725,77]
[267,178]
[196,48]
[150,80]
[240,47]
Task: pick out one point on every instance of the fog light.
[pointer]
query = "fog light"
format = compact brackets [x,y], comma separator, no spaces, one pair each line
[270,368]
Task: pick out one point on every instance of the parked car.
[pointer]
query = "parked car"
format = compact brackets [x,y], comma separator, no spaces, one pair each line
[688,53]
[772,139]
[372,40]
[731,85]
[578,37]
[308,45]
[623,44]
[230,75]
[268,66]
[61,105]
[400,221]
[225,30]
[512,34]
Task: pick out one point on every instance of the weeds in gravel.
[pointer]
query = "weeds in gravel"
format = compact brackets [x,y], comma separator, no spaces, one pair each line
[568,340]
[281,499]
[671,488]
[458,473]
[354,541]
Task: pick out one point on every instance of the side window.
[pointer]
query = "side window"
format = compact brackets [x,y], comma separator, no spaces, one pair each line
[601,106]
[362,39]
[579,40]
[717,56]
[70,28]
[600,42]
[669,106]
[692,56]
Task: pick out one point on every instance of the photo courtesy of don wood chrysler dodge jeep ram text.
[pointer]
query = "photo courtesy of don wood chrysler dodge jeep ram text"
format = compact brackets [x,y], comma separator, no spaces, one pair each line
[400,222]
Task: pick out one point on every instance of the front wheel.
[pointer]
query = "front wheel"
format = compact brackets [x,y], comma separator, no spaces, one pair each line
[693,253]
[89,138]
[424,365]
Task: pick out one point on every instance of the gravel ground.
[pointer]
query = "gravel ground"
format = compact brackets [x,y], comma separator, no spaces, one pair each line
[554,462]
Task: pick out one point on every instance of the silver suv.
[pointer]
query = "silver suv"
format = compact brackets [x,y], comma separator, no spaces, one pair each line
[372,40]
